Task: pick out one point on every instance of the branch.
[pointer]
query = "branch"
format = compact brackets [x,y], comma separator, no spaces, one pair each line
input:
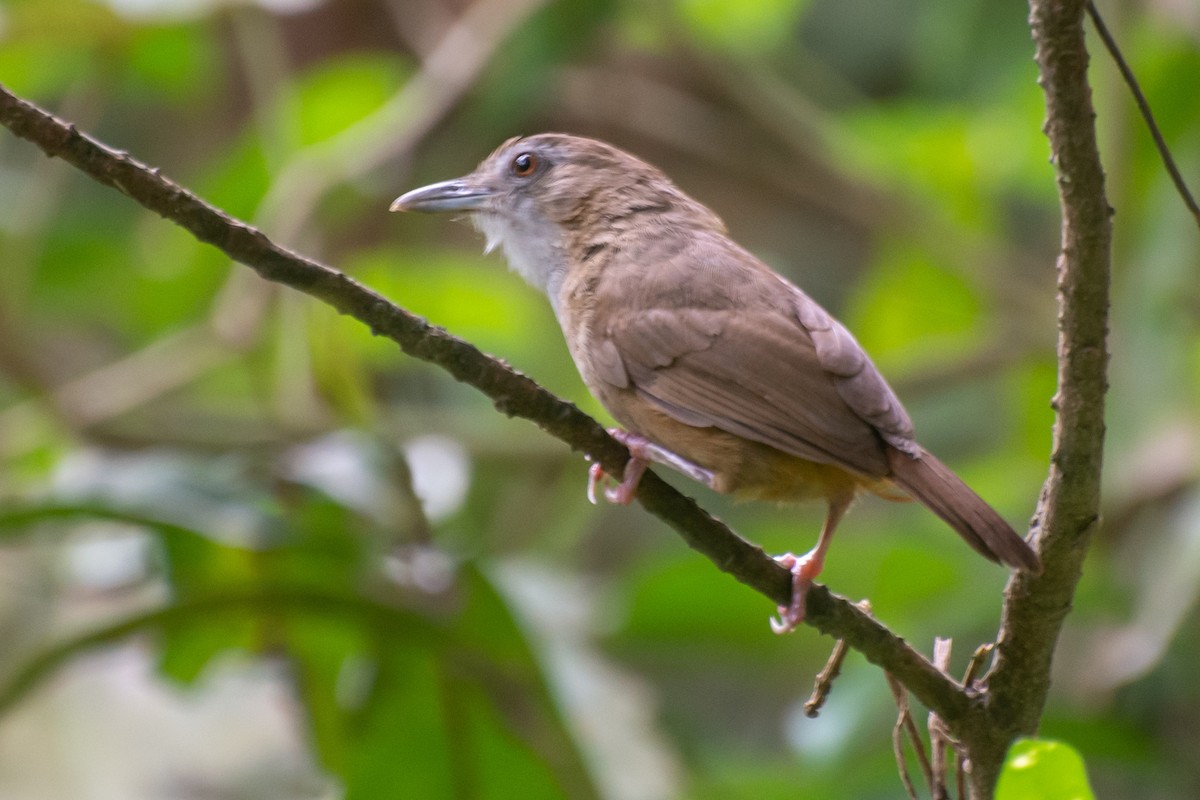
[511,392]
[1068,509]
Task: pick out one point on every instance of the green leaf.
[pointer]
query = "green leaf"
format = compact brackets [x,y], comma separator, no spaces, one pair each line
[401,746]
[741,24]
[173,62]
[327,662]
[339,94]
[517,735]
[474,720]
[238,181]
[912,311]
[681,601]
[1041,769]
[953,161]
[524,72]
[46,48]
[471,296]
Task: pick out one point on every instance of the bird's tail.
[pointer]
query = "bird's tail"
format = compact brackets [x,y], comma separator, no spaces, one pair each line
[935,486]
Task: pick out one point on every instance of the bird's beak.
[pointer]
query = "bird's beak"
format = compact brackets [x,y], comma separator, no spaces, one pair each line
[461,194]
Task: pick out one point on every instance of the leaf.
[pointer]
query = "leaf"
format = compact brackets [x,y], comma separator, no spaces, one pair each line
[471,296]
[913,311]
[340,93]
[754,25]
[171,63]
[48,47]
[1042,769]
[471,720]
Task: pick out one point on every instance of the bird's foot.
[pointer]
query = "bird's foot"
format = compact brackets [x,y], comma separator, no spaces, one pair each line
[623,493]
[804,569]
[642,451]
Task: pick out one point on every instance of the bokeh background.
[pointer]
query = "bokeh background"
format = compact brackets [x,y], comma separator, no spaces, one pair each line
[250,551]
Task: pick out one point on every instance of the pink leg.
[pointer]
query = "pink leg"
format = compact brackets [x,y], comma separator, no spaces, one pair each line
[623,493]
[806,568]
[642,451]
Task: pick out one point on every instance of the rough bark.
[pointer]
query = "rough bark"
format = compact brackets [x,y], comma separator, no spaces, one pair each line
[1068,510]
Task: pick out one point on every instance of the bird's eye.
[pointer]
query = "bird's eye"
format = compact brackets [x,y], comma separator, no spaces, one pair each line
[524,165]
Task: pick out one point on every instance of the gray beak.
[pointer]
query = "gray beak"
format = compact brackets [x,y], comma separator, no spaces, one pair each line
[456,195]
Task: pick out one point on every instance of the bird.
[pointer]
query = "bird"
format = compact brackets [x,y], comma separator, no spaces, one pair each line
[712,363]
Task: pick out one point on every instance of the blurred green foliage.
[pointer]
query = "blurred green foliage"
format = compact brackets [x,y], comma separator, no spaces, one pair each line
[219,477]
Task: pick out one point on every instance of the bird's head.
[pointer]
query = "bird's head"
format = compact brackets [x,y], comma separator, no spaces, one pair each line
[543,197]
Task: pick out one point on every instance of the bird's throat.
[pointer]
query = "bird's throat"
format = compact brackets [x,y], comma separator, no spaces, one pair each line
[533,247]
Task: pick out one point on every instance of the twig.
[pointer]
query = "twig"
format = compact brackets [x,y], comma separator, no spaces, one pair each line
[905,725]
[825,678]
[511,392]
[977,658]
[1144,107]
[823,683]
[938,740]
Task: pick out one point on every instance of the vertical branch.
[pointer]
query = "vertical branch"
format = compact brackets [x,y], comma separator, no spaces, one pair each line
[1069,505]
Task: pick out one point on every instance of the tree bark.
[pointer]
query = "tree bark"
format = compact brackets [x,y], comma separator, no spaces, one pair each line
[1068,510]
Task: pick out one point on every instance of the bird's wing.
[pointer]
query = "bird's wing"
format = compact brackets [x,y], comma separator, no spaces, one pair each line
[785,374]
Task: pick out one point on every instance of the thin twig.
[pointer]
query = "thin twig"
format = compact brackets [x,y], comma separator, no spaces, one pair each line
[901,698]
[1144,107]
[825,678]
[905,725]
[823,683]
[938,740]
[977,658]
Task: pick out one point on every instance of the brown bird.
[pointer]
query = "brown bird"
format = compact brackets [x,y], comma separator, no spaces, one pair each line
[714,364]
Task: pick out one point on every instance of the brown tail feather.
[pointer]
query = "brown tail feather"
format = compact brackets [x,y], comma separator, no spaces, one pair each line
[933,484]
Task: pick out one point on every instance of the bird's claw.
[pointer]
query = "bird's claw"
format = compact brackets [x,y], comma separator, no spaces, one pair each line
[624,492]
[596,475]
[803,568]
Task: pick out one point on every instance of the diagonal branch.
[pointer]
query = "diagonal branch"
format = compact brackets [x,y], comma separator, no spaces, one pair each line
[511,392]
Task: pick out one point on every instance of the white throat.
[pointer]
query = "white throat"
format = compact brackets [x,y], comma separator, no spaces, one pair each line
[533,247]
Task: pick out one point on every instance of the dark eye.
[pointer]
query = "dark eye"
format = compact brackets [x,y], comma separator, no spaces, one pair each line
[524,165]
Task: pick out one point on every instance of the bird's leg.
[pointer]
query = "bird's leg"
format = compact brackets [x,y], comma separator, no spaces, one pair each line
[642,451]
[807,567]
